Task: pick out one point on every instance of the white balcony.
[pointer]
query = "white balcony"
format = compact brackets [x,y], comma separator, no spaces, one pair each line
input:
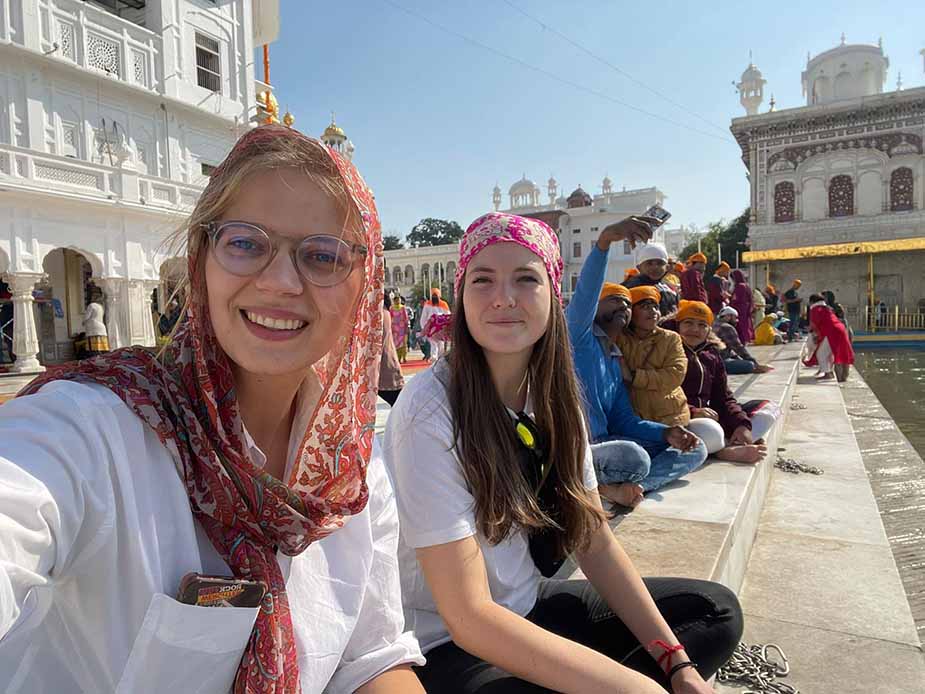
[87,36]
[27,170]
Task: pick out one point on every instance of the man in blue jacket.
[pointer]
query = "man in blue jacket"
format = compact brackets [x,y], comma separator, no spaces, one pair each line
[631,455]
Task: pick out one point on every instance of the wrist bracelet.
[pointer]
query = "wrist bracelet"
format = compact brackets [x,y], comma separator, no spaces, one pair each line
[680,666]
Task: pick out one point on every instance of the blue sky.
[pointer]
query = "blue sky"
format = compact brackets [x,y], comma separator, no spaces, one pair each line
[437,121]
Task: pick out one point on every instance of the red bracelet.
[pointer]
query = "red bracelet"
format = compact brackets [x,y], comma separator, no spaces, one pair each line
[668,652]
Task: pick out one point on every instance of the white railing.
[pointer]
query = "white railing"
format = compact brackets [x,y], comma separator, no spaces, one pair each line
[58,173]
[95,39]
[893,319]
[162,192]
[64,174]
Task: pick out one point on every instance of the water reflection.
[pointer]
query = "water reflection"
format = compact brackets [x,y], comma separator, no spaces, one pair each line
[897,377]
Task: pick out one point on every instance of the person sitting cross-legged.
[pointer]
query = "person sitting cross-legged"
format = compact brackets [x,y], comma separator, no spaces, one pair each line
[730,431]
[737,358]
[631,455]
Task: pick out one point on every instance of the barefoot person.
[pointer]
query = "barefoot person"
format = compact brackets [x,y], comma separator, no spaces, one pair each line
[631,455]
[495,486]
[245,450]
[716,417]
[736,357]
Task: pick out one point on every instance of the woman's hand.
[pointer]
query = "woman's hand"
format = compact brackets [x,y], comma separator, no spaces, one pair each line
[704,413]
[636,229]
[689,681]
[680,438]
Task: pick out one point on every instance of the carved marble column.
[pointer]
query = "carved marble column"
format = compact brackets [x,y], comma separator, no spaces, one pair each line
[150,335]
[25,335]
[114,291]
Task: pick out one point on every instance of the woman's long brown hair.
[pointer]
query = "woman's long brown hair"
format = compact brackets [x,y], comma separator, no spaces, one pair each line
[486,441]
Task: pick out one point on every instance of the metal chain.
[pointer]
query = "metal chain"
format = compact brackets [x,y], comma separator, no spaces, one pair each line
[750,666]
[792,466]
[797,406]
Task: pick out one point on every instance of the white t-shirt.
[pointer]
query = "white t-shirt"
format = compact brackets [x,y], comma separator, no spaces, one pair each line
[96,532]
[436,507]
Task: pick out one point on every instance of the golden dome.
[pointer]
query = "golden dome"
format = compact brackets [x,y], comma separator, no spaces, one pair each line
[333,130]
[288,119]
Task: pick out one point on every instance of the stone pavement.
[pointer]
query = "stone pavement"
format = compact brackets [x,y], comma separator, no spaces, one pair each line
[821,581]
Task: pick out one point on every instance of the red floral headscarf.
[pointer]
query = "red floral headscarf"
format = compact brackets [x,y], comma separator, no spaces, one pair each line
[187,398]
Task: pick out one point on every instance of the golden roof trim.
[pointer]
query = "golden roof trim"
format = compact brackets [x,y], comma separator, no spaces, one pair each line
[835,249]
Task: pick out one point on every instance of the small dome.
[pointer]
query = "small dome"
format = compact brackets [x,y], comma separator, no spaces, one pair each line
[496,190]
[752,74]
[333,130]
[552,181]
[579,198]
[524,185]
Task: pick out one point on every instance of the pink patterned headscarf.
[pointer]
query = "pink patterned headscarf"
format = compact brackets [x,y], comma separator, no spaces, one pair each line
[500,227]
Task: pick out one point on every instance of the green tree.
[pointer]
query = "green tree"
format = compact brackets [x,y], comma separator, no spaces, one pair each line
[391,242]
[731,237]
[434,232]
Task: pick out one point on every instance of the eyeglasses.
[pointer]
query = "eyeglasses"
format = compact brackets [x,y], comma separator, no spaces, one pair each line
[244,249]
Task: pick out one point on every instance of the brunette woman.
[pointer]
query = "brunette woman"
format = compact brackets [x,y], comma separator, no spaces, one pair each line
[496,484]
[245,451]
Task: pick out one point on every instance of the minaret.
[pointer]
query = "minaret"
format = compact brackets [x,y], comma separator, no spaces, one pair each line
[751,88]
[496,197]
[335,138]
[552,188]
[606,185]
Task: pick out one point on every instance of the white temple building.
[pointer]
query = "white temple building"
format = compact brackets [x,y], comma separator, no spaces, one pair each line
[837,185]
[113,114]
[577,219]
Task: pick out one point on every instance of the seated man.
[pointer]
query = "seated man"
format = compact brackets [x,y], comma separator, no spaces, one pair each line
[631,456]
[736,357]
[652,263]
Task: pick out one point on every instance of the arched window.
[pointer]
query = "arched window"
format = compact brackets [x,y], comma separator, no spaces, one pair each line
[784,202]
[396,276]
[841,196]
[901,190]
[409,274]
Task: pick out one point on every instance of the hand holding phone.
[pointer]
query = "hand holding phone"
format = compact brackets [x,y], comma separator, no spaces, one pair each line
[658,212]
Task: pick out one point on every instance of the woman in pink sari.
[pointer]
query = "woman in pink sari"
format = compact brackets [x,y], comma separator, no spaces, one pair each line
[743,303]
[400,327]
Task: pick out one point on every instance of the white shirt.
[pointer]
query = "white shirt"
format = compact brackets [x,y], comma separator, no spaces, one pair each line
[436,507]
[96,532]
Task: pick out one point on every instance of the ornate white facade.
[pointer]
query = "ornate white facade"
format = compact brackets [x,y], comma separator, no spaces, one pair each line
[846,168]
[577,219]
[113,115]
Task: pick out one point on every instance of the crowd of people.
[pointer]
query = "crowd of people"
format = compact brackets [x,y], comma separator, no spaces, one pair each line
[241,462]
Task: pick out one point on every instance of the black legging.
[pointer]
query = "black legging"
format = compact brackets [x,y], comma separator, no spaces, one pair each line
[705,616]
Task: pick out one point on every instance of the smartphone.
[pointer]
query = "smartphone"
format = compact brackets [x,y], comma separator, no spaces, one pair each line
[658,212]
[220,591]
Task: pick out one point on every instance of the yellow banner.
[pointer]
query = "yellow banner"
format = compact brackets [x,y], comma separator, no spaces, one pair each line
[834,249]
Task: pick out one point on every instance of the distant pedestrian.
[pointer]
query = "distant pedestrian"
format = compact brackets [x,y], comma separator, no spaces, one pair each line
[743,303]
[832,350]
[692,288]
[772,301]
[400,327]
[717,295]
[94,327]
[652,263]
[391,380]
[736,357]
[793,303]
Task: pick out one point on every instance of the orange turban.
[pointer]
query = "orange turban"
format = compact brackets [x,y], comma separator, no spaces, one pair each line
[723,268]
[630,272]
[611,289]
[645,292]
[698,257]
[798,283]
[679,267]
[694,309]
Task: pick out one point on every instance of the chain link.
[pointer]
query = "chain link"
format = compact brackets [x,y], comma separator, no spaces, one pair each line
[797,406]
[792,466]
[750,666]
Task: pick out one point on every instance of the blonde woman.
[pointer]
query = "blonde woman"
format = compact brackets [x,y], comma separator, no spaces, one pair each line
[245,451]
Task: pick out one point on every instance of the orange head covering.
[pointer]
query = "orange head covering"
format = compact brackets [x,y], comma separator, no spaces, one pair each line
[698,257]
[630,272]
[612,289]
[679,267]
[723,268]
[643,293]
[694,309]
[771,289]
[798,283]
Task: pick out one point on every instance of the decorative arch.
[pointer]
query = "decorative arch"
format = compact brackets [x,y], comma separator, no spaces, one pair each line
[396,276]
[888,145]
[901,189]
[96,264]
[425,273]
[841,196]
[451,272]
[784,202]
[409,274]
